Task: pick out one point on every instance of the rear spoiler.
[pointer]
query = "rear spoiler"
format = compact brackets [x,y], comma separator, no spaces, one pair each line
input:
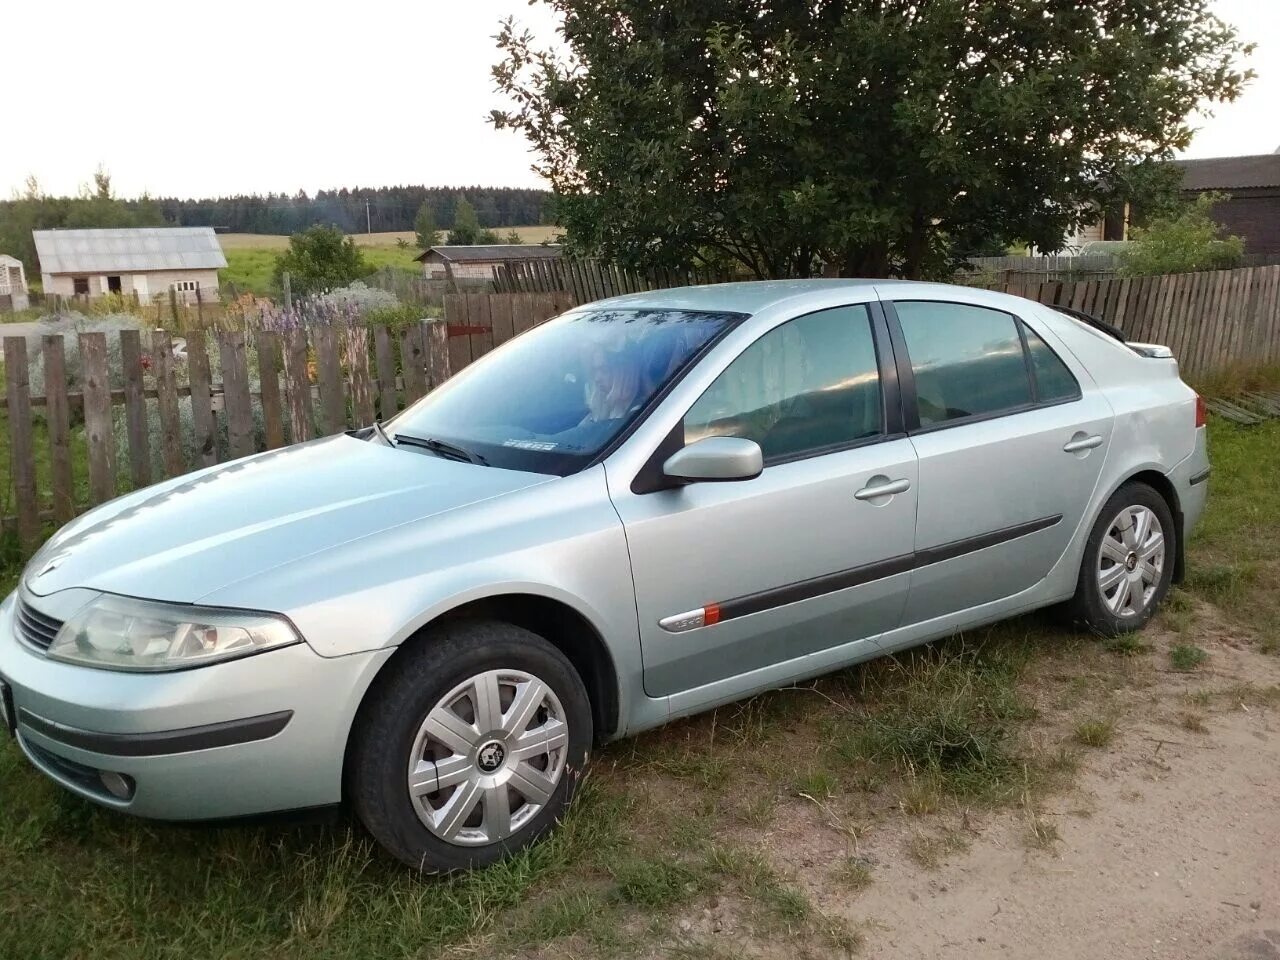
[1152,351]
[1109,329]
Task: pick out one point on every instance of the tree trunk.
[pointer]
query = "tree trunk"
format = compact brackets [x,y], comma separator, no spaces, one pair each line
[870,261]
[916,247]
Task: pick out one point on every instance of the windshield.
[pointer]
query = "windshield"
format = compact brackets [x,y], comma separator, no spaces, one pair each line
[552,399]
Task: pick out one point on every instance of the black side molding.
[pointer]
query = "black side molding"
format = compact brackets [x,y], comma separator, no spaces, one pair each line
[958,548]
[165,743]
[1200,477]
[856,576]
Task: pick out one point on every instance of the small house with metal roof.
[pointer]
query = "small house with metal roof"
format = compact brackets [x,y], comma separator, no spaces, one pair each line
[13,283]
[476,261]
[146,261]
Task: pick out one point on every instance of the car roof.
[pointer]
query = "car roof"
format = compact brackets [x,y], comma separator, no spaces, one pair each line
[750,297]
[745,297]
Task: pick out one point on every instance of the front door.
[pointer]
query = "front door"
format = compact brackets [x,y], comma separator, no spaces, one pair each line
[1010,444]
[757,575]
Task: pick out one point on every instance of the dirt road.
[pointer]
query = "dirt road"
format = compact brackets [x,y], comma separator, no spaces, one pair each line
[1166,846]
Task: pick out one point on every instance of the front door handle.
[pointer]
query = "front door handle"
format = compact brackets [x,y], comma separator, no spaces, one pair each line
[882,487]
[1078,443]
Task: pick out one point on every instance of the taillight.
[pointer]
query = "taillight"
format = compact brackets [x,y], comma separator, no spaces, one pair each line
[1202,414]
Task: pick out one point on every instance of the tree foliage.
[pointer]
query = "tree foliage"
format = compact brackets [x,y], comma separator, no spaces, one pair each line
[391,209]
[854,137]
[1183,241]
[466,226]
[320,258]
[96,206]
[424,227]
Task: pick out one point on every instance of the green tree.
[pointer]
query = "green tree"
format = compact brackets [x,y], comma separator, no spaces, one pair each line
[466,228]
[853,137]
[320,258]
[96,206]
[513,237]
[1184,241]
[424,225]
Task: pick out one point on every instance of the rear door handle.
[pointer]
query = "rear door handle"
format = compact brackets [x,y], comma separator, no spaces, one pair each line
[883,487]
[1083,443]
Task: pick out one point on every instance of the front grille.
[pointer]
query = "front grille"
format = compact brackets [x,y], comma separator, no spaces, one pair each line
[36,628]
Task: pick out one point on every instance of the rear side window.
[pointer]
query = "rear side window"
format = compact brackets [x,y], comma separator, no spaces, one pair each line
[967,360]
[806,386]
[1054,382]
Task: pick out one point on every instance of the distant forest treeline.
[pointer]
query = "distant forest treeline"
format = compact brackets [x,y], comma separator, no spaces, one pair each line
[389,208]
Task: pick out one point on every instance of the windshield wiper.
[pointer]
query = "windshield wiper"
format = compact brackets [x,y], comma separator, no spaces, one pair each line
[440,448]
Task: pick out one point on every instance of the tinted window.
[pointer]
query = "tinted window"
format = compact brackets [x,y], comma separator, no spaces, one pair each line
[550,400]
[811,383]
[1054,381]
[967,360]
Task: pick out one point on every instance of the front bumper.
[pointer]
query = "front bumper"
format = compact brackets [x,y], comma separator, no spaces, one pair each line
[261,734]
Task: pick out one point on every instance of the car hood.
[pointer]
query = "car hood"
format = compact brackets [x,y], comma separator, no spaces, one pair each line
[185,538]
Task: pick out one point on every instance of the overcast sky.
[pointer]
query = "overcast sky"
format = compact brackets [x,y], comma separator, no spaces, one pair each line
[249,97]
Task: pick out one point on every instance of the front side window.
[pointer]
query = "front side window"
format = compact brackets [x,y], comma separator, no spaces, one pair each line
[553,398]
[808,385]
[967,360]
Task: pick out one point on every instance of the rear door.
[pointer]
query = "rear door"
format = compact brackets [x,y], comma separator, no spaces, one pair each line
[1010,441]
[814,553]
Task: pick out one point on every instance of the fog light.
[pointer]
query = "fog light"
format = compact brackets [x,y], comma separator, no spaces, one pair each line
[117,784]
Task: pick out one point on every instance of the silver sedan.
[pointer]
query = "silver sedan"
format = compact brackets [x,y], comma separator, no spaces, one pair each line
[647,507]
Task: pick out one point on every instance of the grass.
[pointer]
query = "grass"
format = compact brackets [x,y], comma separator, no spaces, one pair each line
[1126,645]
[669,823]
[1095,733]
[1186,656]
[251,257]
[854,874]
[930,850]
[1237,546]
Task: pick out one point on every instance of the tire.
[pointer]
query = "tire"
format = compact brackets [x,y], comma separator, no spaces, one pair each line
[1109,600]
[457,668]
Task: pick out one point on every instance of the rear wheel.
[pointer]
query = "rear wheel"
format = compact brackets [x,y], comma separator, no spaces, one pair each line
[1128,562]
[471,747]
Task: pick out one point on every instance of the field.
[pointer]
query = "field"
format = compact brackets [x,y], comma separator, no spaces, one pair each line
[890,810]
[251,256]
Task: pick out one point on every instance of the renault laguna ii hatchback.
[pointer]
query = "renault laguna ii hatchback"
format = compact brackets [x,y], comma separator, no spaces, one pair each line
[644,508]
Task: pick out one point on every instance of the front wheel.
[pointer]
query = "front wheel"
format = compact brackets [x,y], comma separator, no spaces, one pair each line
[471,747]
[1128,562]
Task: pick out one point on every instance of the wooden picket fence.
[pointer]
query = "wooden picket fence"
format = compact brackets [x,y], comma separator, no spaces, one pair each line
[1211,321]
[310,382]
[323,380]
[590,279]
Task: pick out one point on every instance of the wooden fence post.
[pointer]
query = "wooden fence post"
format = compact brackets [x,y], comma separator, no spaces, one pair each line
[436,337]
[413,362]
[175,462]
[386,361]
[268,345]
[235,394]
[21,448]
[203,422]
[97,417]
[297,380]
[333,404]
[135,409]
[58,415]
[355,356]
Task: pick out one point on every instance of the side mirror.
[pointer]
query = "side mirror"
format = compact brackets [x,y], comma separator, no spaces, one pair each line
[716,459]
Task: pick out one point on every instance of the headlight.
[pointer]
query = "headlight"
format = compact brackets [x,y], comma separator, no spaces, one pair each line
[121,633]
